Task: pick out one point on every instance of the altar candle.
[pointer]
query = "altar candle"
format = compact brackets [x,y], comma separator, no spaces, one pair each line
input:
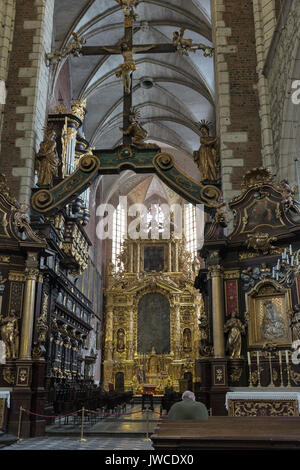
[257,357]
[291,250]
[292,261]
[249,359]
[287,356]
[279,354]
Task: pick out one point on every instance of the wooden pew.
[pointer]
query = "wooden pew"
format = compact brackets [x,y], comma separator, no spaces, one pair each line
[228,433]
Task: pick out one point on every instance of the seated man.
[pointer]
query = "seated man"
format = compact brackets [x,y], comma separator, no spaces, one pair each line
[188,408]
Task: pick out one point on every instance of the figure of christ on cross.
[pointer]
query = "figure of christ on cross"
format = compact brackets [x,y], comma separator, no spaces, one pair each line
[133,134]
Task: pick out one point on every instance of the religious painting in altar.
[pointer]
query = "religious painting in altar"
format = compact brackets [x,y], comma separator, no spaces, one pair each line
[154,258]
[153,324]
[269,307]
[262,212]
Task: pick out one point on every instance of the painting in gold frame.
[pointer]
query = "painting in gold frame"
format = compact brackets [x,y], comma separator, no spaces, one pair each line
[269,306]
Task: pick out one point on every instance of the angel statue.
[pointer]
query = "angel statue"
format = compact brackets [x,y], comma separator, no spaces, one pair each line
[234,341]
[47,161]
[207,157]
[128,7]
[184,46]
[137,133]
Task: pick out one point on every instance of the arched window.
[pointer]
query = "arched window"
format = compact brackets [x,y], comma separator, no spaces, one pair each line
[119,232]
[190,229]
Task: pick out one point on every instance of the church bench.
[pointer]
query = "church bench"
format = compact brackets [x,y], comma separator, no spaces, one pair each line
[224,432]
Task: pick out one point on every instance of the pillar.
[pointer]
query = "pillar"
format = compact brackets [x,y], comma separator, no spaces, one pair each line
[28,314]
[217,310]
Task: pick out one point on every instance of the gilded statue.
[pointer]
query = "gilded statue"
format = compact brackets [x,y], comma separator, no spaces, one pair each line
[184,46]
[47,160]
[120,340]
[295,323]
[207,157]
[273,324]
[128,7]
[137,133]
[129,65]
[187,340]
[10,334]
[235,329]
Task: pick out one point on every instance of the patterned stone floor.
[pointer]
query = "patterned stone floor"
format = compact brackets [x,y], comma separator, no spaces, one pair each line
[72,443]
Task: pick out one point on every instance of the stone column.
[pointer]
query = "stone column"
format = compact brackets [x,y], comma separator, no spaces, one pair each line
[216,274]
[28,314]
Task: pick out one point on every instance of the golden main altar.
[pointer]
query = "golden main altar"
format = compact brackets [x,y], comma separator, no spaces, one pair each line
[152,313]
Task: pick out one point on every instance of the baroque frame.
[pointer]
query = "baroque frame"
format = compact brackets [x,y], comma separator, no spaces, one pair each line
[268,291]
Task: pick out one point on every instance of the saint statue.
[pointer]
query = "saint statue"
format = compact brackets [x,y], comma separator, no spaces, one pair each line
[120,340]
[207,157]
[137,133]
[235,329]
[47,160]
[295,324]
[272,325]
[187,339]
[10,334]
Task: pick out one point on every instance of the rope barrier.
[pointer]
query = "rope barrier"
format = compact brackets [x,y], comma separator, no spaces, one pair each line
[51,416]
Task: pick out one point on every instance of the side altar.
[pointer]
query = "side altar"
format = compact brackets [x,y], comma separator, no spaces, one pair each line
[152,315]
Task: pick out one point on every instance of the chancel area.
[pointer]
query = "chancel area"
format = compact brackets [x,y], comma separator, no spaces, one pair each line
[150,220]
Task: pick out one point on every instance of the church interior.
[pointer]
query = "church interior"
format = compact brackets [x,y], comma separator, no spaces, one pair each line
[150,216]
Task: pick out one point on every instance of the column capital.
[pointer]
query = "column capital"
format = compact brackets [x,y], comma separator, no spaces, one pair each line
[32,274]
[216,270]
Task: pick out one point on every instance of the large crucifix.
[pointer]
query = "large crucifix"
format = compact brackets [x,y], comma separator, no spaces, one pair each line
[133,132]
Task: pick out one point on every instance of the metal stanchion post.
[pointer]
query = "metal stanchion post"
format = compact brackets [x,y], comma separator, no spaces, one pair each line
[147,423]
[82,425]
[19,425]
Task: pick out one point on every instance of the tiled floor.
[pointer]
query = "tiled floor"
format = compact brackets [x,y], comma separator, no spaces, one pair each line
[124,432]
[72,443]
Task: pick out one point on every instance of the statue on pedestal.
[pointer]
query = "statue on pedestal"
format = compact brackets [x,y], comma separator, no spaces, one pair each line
[10,334]
[234,341]
[207,157]
[47,160]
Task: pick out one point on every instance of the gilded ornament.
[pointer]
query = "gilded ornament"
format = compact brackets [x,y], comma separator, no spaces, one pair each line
[236,373]
[260,241]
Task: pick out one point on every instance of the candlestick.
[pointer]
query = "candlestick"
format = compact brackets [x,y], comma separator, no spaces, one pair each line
[271,384]
[280,364]
[249,358]
[286,356]
[258,369]
[288,369]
